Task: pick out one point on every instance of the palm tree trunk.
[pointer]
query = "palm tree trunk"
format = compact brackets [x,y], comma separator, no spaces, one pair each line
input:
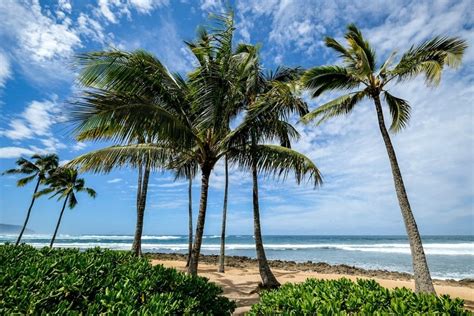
[59,221]
[143,188]
[224,218]
[190,220]
[268,279]
[28,213]
[193,264]
[423,282]
[136,245]
[139,188]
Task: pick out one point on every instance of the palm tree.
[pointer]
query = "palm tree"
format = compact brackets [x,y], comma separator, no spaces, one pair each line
[271,98]
[100,114]
[181,120]
[359,72]
[221,268]
[40,168]
[64,183]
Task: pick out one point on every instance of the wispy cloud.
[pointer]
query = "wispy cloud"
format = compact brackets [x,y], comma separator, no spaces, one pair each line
[116,180]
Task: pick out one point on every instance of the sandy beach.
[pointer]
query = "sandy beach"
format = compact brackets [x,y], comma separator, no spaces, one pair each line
[241,278]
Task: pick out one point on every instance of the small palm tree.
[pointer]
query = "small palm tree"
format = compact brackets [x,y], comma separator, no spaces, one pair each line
[40,168]
[360,70]
[64,183]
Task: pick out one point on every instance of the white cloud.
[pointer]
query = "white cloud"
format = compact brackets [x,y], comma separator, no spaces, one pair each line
[5,69]
[171,51]
[63,162]
[35,123]
[39,41]
[14,152]
[104,7]
[36,120]
[116,180]
[113,10]
[145,6]
[39,35]
[79,146]
[212,5]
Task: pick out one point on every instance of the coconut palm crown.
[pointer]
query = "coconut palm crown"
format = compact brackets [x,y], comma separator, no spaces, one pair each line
[64,184]
[360,74]
[39,168]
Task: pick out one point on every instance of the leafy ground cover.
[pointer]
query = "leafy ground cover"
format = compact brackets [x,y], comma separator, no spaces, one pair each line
[68,281]
[344,297]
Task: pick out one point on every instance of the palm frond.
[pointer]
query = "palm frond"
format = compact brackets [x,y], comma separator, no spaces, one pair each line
[399,110]
[24,181]
[45,191]
[120,118]
[118,156]
[91,192]
[361,50]
[343,52]
[429,58]
[340,106]
[327,78]
[72,202]
[277,161]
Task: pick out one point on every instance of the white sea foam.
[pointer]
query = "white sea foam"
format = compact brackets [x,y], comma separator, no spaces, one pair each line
[451,249]
[89,237]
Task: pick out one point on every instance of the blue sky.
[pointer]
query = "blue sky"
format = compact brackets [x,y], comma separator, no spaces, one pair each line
[436,151]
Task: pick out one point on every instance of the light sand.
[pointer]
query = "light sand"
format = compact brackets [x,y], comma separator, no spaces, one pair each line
[239,283]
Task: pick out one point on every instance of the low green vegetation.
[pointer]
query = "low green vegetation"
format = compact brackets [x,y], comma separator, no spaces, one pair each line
[344,297]
[68,281]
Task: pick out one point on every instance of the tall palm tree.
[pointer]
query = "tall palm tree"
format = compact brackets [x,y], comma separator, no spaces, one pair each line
[64,183]
[359,72]
[100,113]
[188,169]
[221,268]
[182,120]
[39,168]
[271,98]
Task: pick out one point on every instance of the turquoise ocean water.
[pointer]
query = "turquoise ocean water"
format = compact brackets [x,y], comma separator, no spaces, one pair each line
[449,257]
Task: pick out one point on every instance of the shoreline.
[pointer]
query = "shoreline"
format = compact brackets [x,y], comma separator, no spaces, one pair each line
[243,262]
[241,279]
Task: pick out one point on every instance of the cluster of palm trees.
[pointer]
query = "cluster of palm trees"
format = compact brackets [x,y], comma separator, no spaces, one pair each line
[229,108]
[60,182]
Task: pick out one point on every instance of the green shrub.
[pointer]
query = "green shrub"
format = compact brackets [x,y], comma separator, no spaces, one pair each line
[344,297]
[95,281]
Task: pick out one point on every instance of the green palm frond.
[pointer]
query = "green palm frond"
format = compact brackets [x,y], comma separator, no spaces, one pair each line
[327,78]
[40,167]
[139,73]
[63,183]
[399,110]
[277,161]
[343,52]
[45,191]
[91,192]
[429,58]
[24,181]
[134,155]
[360,49]
[340,106]
[117,117]
[72,202]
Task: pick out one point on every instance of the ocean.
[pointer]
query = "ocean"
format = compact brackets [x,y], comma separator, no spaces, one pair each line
[449,257]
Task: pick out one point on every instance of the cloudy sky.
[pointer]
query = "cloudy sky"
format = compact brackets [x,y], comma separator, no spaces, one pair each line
[38,40]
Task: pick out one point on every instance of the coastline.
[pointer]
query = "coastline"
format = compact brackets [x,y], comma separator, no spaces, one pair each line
[241,279]
[243,262]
